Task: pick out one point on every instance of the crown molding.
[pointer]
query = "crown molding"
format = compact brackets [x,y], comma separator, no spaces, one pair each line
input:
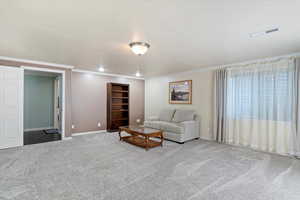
[203,69]
[36,62]
[106,74]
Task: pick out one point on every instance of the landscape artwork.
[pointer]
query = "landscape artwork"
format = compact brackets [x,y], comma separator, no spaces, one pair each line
[180,92]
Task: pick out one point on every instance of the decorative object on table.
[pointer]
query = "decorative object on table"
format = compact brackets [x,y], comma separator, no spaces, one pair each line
[180,92]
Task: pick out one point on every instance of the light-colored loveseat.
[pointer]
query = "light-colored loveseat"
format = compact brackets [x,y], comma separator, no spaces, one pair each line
[177,125]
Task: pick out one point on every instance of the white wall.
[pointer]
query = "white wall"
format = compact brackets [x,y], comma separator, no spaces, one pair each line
[156,97]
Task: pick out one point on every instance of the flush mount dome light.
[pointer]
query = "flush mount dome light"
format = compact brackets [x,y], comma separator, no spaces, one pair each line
[139,48]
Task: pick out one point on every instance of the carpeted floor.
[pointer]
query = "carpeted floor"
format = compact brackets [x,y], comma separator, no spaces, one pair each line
[99,166]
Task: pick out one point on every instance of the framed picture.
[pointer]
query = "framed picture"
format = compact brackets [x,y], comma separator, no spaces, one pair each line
[180,92]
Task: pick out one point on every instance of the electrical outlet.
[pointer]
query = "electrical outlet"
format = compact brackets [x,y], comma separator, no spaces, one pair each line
[73,126]
[99,124]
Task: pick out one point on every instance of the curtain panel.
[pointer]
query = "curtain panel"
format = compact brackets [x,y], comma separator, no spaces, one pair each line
[257,105]
[296,137]
[220,105]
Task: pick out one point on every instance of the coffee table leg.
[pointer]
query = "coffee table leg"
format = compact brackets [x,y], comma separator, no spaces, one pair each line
[120,135]
[147,142]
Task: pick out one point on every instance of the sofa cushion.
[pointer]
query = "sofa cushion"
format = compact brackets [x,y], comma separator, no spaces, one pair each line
[171,127]
[152,124]
[166,115]
[183,115]
[153,118]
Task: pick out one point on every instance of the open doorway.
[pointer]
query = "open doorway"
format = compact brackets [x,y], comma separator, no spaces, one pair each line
[43,105]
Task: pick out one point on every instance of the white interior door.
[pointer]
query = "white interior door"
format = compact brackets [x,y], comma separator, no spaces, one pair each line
[11,107]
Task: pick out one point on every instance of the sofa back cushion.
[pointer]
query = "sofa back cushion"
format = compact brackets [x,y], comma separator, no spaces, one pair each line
[183,115]
[166,115]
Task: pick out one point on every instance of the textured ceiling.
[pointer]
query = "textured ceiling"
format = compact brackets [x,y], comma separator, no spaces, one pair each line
[184,35]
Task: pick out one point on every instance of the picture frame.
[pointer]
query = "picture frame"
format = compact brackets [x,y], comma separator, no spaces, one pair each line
[180,92]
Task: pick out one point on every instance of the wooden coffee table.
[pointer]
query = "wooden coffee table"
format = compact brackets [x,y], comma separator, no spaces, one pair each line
[141,136]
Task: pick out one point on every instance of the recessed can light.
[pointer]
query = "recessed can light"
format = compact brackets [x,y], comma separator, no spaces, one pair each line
[101,69]
[138,74]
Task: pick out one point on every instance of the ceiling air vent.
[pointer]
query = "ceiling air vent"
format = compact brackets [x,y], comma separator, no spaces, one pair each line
[261,33]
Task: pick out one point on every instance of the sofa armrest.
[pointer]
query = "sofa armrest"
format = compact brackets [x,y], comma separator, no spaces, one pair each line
[186,123]
[191,128]
[153,118]
[189,125]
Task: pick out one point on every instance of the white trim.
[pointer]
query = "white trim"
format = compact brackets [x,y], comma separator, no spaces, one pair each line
[106,74]
[36,62]
[38,129]
[63,121]
[206,138]
[48,64]
[202,69]
[21,103]
[41,69]
[63,92]
[56,102]
[90,132]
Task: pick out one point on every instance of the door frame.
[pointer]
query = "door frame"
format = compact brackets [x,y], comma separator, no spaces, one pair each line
[57,89]
[63,85]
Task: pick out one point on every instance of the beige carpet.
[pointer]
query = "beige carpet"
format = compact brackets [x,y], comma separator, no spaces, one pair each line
[99,166]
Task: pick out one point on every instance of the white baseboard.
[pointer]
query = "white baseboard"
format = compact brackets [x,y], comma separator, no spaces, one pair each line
[90,132]
[206,138]
[38,129]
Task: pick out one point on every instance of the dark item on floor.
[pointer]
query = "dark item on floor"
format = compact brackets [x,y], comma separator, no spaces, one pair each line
[51,131]
[36,137]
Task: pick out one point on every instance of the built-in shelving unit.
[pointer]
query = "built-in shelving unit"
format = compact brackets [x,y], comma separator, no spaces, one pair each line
[117,106]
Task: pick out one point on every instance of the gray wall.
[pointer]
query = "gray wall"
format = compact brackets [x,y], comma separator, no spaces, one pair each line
[38,101]
[89,100]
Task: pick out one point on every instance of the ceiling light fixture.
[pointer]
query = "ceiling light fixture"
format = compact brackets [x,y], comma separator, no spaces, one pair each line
[139,48]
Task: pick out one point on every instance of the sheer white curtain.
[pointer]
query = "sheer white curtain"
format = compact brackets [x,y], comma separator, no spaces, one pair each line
[261,106]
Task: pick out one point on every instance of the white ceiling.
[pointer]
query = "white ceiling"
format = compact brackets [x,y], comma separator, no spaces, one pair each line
[184,35]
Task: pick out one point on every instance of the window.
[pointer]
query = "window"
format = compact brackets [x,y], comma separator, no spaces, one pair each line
[263,94]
